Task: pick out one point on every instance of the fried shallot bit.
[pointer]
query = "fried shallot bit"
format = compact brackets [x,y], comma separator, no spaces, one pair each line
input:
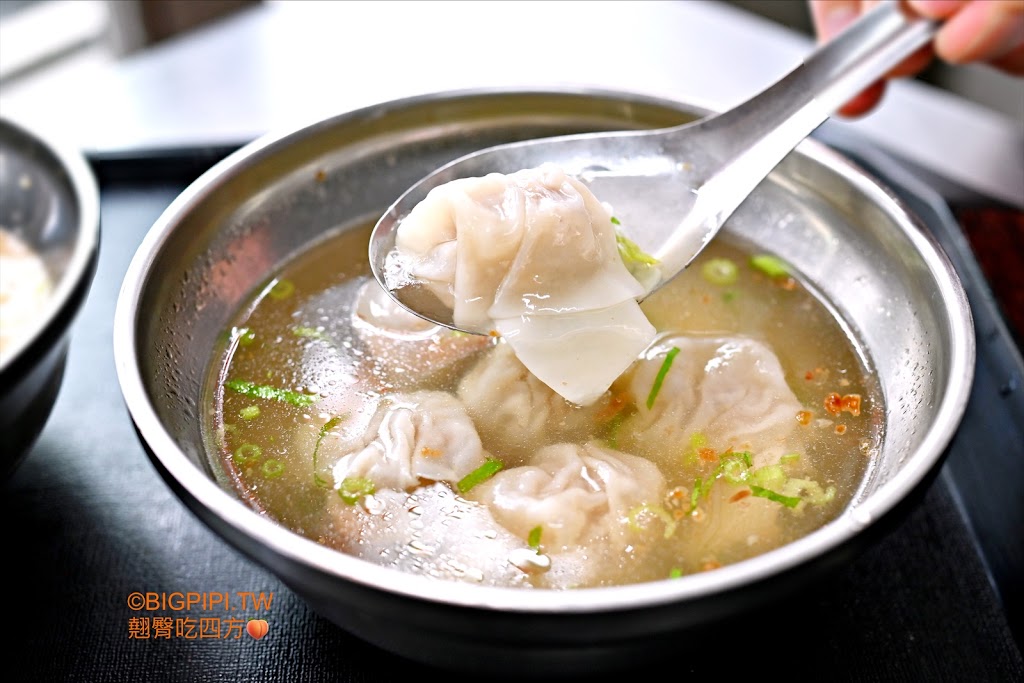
[428,452]
[677,501]
[851,404]
[707,454]
[616,404]
[809,375]
[840,429]
[804,417]
[788,284]
[739,495]
[834,403]
[709,565]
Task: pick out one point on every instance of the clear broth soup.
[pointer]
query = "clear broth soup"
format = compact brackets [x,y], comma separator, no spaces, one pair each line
[750,423]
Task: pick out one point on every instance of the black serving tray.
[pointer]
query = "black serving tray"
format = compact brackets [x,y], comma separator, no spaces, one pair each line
[91,523]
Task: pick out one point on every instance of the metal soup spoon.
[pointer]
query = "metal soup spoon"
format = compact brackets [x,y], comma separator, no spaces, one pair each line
[679,184]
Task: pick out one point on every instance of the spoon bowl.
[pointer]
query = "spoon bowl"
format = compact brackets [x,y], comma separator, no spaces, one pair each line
[672,189]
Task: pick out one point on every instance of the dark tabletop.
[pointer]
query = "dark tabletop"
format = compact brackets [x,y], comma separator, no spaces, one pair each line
[93,523]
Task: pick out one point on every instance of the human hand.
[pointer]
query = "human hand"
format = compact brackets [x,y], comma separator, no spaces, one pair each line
[984,31]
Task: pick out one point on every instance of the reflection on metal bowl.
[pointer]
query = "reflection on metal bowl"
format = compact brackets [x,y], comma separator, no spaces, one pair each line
[49,214]
[847,234]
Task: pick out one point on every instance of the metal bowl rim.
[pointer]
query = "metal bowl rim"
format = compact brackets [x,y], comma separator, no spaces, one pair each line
[86,243]
[208,494]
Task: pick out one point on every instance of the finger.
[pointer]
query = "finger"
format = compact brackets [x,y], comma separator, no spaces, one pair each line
[864,102]
[830,17]
[982,31]
[1012,62]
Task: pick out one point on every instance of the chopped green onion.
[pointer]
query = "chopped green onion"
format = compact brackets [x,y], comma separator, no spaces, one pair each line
[310,332]
[698,440]
[614,426]
[533,540]
[263,391]
[631,253]
[327,426]
[665,365]
[729,296]
[656,510]
[720,271]
[249,412]
[809,491]
[772,266]
[675,573]
[734,471]
[788,501]
[616,221]
[769,476]
[789,457]
[354,488]
[732,465]
[244,335]
[479,475]
[272,469]
[282,289]
[247,453]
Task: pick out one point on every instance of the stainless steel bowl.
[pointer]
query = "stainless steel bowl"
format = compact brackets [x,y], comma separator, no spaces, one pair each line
[250,213]
[49,199]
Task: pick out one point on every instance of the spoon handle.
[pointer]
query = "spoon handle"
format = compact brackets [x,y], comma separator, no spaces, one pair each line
[788,111]
[741,146]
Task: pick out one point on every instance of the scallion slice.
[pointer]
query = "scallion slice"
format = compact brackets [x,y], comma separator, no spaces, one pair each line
[788,501]
[479,475]
[244,335]
[263,391]
[661,513]
[660,378]
[328,426]
[720,271]
[772,266]
[272,469]
[249,412]
[282,289]
[309,332]
[354,488]
[631,253]
[533,539]
[247,453]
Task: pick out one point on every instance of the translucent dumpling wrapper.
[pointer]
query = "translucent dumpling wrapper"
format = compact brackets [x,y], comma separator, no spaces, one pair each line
[577,494]
[407,349]
[532,255]
[435,531]
[412,438]
[725,392]
[512,409]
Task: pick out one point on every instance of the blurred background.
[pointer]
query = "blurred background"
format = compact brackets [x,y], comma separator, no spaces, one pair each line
[42,41]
